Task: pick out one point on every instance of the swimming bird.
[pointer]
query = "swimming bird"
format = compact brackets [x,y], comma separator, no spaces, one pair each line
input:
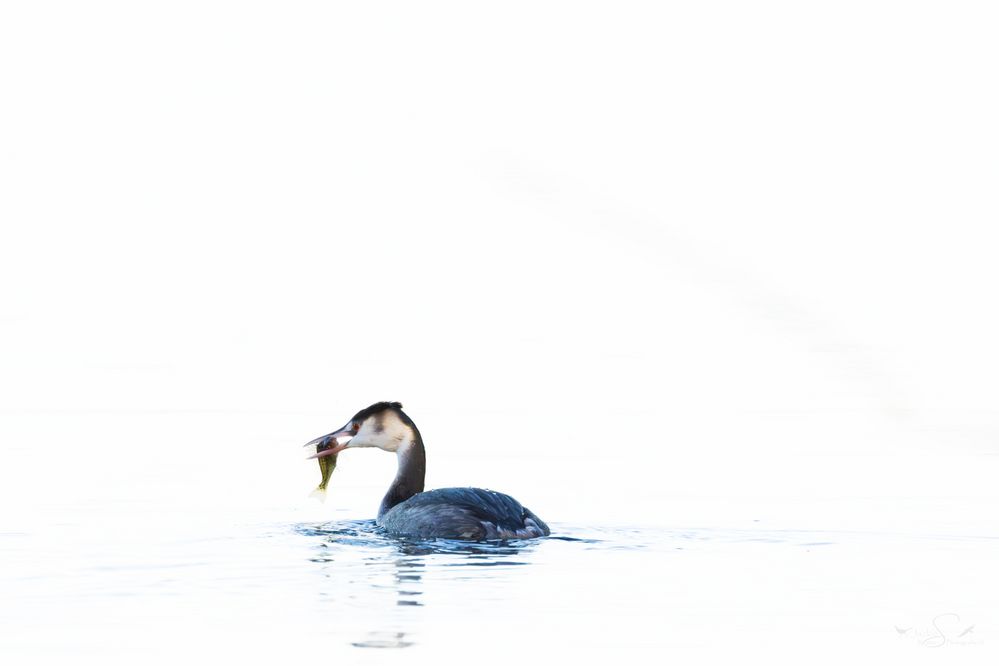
[449,513]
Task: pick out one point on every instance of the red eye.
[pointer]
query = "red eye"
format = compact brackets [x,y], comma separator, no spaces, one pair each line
[356,427]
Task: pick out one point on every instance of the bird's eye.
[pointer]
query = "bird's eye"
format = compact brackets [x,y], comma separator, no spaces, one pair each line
[357,426]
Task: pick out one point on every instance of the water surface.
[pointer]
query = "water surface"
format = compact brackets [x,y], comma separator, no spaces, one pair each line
[307,589]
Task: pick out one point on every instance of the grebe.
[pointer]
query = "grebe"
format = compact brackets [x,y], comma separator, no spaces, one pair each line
[448,513]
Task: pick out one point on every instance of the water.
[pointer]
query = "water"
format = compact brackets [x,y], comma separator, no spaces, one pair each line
[189,547]
[310,590]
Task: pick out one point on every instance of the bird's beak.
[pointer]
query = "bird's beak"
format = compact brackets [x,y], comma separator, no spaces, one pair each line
[328,445]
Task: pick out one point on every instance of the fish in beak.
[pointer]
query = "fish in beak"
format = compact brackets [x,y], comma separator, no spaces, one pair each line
[328,445]
[327,448]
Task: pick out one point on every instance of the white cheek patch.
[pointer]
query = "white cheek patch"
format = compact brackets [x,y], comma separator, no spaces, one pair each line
[388,434]
[362,437]
[394,436]
[366,436]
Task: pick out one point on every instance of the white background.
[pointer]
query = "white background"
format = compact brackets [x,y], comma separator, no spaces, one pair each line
[634,263]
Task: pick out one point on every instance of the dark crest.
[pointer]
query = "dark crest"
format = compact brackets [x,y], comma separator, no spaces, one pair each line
[375,409]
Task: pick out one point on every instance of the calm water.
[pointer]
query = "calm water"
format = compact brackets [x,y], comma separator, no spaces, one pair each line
[103,591]
[190,548]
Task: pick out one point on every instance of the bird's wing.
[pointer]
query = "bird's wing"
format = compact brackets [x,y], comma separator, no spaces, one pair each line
[481,506]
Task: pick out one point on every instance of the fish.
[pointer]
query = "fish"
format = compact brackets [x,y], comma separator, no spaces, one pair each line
[326,466]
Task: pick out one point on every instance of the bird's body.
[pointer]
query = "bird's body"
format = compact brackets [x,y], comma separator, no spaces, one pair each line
[447,513]
[463,513]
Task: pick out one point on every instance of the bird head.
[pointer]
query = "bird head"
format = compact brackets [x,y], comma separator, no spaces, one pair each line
[383,425]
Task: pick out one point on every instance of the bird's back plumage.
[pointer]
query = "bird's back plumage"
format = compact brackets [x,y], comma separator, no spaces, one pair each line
[463,513]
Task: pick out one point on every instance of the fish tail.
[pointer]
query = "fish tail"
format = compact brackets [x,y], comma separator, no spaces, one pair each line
[319,493]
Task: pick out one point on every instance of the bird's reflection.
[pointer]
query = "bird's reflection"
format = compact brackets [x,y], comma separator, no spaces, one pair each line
[408,578]
[377,580]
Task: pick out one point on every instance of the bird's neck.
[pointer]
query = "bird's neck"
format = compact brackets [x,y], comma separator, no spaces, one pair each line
[412,470]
